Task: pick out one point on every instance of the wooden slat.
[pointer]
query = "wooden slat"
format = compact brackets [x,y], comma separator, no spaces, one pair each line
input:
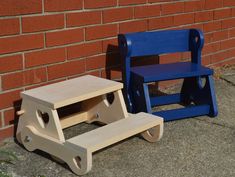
[115,132]
[153,73]
[166,99]
[71,91]
[74,119]
[181,113]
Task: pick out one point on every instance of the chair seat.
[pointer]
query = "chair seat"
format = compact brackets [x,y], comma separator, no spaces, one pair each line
[160,72]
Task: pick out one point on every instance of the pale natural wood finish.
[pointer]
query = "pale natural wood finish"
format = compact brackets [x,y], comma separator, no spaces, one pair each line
[153,134]
[31,117]
[71,120]
[71,91]
[98,108]
[116,131]
[19,113]
[58,149]
[40,127]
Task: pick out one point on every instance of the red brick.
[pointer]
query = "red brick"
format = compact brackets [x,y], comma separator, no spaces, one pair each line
[9,117]
[83,18]
[20,7]
[95,62]
[203,16]
[206,60]
[159,23]
[9,26]
[233,12]
[119,14]
[64,37]
[212,26]
[113,73]
[8,99]
[103,31]
[169,83]
[89,4]
[152,1]
[211,48]
[133,26]
[191,6]
[83,50]
[147,11]
[6,133]
[131,2]
[62,5]
[42,23]
[232,32]
[45,83]
[222,13]
[231,53]
[24,78]
[185,55]
[94,73]
[226,62]
[45,57]
[217,57]
[11,63]
[216,36]
[183,19]
[229,3]
[169,58]
[229,23]
[213,4]
[21,43]
[110,45]
[66,69]
[172,8]
[228,44]
[1,123]
[195,26]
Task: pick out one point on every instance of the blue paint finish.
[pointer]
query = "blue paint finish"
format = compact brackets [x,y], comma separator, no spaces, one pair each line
[182,113]
[162,42]
[170,71]
[165,100]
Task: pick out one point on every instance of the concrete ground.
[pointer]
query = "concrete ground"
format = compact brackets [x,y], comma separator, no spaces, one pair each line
[193,147]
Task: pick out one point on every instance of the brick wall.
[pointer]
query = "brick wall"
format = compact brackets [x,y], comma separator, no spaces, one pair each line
[45,41]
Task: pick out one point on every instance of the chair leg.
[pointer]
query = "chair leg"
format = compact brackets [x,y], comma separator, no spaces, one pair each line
[193,91]
[128,100]
[141,98]
[211,92]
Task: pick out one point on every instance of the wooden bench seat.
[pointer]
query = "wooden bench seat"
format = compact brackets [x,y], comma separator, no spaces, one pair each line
[160,72]
[71,91]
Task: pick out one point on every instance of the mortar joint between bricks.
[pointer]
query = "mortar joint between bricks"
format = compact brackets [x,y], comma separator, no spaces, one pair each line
[43,9]
[2,120]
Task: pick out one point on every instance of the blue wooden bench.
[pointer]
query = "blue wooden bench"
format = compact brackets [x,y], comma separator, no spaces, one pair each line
[193,90]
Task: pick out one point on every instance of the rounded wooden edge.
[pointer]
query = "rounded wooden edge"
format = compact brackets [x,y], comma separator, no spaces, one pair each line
[153,134]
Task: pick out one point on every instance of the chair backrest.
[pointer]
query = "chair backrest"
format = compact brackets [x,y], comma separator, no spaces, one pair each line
[161,42]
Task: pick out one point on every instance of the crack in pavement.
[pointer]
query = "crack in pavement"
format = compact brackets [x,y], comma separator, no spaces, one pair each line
[216,123]
[229,82]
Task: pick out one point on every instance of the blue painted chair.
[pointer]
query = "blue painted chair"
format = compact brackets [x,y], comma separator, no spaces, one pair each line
[135,79]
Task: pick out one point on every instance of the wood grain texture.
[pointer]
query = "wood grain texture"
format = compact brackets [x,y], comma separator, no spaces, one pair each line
[71,91]
[116,131]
